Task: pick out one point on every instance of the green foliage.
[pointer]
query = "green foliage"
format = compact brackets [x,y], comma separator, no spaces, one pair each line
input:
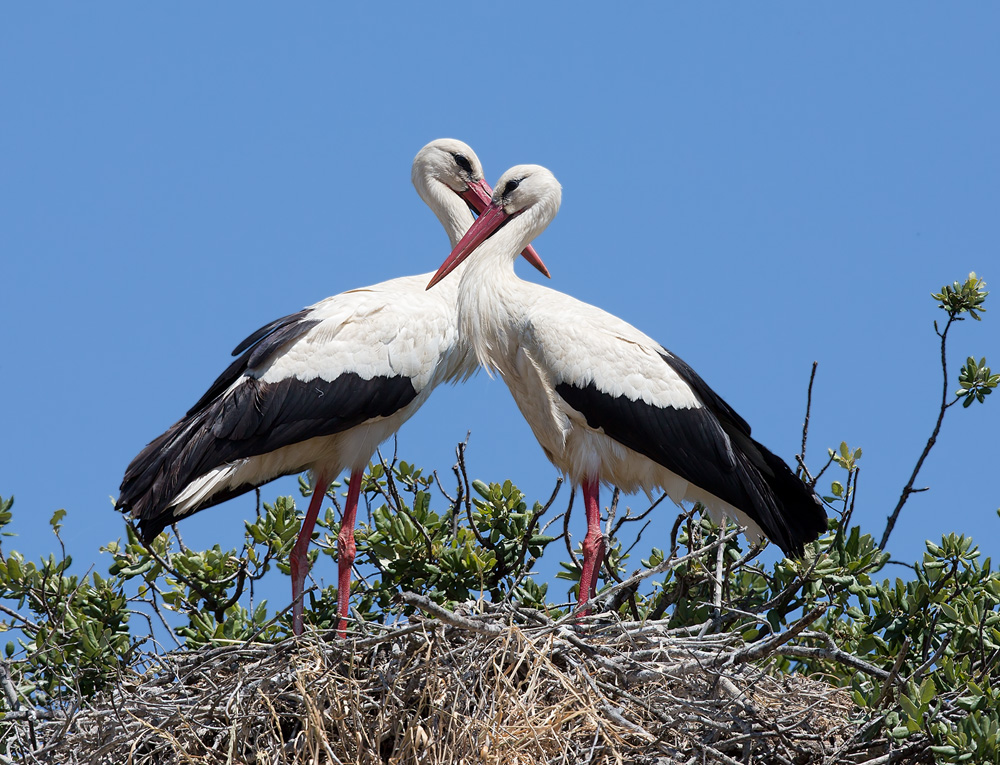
[941,632]
[70,631]
[847,459]
[480,545]
[963,297]
[976,380]
[205,587]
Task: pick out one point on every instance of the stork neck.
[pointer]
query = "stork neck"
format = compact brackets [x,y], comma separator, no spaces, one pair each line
[488,297]
[449,208]
[493,261]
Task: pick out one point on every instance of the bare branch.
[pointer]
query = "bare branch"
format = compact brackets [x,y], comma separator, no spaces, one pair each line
[801,458]
[908,488]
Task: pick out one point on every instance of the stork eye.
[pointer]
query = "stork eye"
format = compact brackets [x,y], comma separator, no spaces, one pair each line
[463,162]
[511,185]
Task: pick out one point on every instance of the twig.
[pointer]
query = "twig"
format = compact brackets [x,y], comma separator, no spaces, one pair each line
[610,525]
[464,473]
[805,423]
[484,542]
[835,654]
[638,538]
[448,617]
[566,535]
[15,704]
[668,565]
[24,620]
[177,536]
[32,714]
[686,515]
[220,611]
[894,672]
[8,686]
[919,671]
[815,478]
[908,488]
[772,644]
[451,501]
[467,681]
[629,518]
[845,522]
[153,590]
[720,555]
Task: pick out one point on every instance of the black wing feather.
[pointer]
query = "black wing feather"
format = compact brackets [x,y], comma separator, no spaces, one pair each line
[255,418]
[709,446]
[231,422]
[268,339]
[267,329]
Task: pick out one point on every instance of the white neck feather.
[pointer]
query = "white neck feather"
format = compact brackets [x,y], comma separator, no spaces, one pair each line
[448,206]
[490,299]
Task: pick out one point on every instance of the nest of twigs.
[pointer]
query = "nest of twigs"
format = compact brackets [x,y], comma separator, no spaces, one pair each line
[502,687]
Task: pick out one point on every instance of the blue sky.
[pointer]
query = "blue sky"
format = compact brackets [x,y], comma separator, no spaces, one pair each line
[757,187]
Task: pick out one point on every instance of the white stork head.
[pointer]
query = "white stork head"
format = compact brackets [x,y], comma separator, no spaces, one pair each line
[449,178]
[527,192]
[448,161]
[525,187]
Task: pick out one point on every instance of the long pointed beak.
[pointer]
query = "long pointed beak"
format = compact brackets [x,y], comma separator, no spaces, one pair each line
[531,256]
[492,218]
[479,197]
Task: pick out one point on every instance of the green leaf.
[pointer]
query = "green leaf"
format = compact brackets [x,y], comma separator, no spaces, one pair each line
[911,709]
[944,751]
[927,691]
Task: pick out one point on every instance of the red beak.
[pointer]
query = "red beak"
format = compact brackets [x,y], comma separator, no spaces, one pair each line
[485,226]
[479,197]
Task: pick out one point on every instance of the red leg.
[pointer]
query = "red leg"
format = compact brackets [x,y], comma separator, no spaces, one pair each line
[299,560]
[346,550]
[593,543]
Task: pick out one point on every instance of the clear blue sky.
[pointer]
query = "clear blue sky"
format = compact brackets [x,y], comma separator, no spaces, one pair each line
[757,186]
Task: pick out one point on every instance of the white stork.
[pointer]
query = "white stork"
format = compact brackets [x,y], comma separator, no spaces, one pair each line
[607,403]
[320,389]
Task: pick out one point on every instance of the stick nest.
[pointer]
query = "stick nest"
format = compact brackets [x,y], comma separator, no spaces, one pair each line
[503,687]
